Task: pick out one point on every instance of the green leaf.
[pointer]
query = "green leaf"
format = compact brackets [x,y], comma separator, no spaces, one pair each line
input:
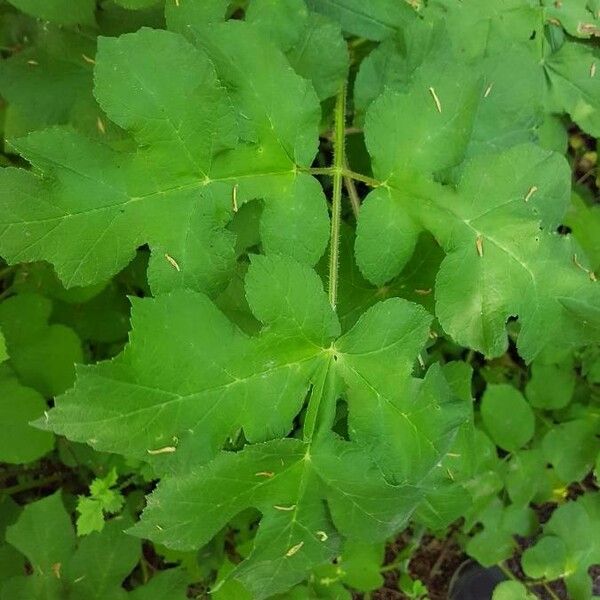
[590,364]
[520,520]
[577,17]
[42,355]
[584,221]
[278,136]
[526,476]
[56,63]
[295,531]
[114,20]
[62,12]
[504,246]
[491,547]
[376,20]
[100,489]
[438,111]
[381,216]
[405,150]
[387,66]
[361,565]
[260,384]
[415,282]
[507,417]
[11,563]
[574,87]
[119,553]
[305,309]
[136,4]
[572,447]
[510,108]
[104,318]
[547,559]
[182,14]
[577,524]
[152,83]
[552,382]
[90,517]
[171,584]
[20,405]
[565,79]
[478,28]
[404,438]
[495,543]
[552,135]
[220,395]
[325,582]
[40,278]
[511,590]
[102,500]
[9,513]
[3,352]
[99,312]
[44,534]
[275,367]
[312,43]
[464,467]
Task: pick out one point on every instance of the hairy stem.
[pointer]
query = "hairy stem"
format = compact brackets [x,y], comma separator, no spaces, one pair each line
[336,206]
[370,181]
[352,193]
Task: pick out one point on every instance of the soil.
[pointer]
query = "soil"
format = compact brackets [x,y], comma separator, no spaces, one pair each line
[433,562]
[436,560]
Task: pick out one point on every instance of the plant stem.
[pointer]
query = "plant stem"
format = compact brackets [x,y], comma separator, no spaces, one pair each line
[7,292]
[145,572]
[32,485]
[370,181]
[550,591]
[352,193]
[528,584]
[336,205]
[6,271]
[317,170]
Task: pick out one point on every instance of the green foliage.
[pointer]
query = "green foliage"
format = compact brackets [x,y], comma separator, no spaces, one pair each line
[569,545]
[63,568]
[3,353]
[507,417]
[62,12]
[512,590]
[103,500]
[19,405]
[292,287]
[43,355]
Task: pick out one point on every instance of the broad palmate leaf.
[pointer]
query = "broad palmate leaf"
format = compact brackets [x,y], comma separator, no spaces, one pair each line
[189,380]
[496,219]
[195,156]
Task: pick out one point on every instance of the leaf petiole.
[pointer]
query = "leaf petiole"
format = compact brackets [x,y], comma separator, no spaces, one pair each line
[345,172]
[336,208]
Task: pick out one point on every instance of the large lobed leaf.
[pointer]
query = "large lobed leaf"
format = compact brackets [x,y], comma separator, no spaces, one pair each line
[88,206]
[496,220]
[398,427]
